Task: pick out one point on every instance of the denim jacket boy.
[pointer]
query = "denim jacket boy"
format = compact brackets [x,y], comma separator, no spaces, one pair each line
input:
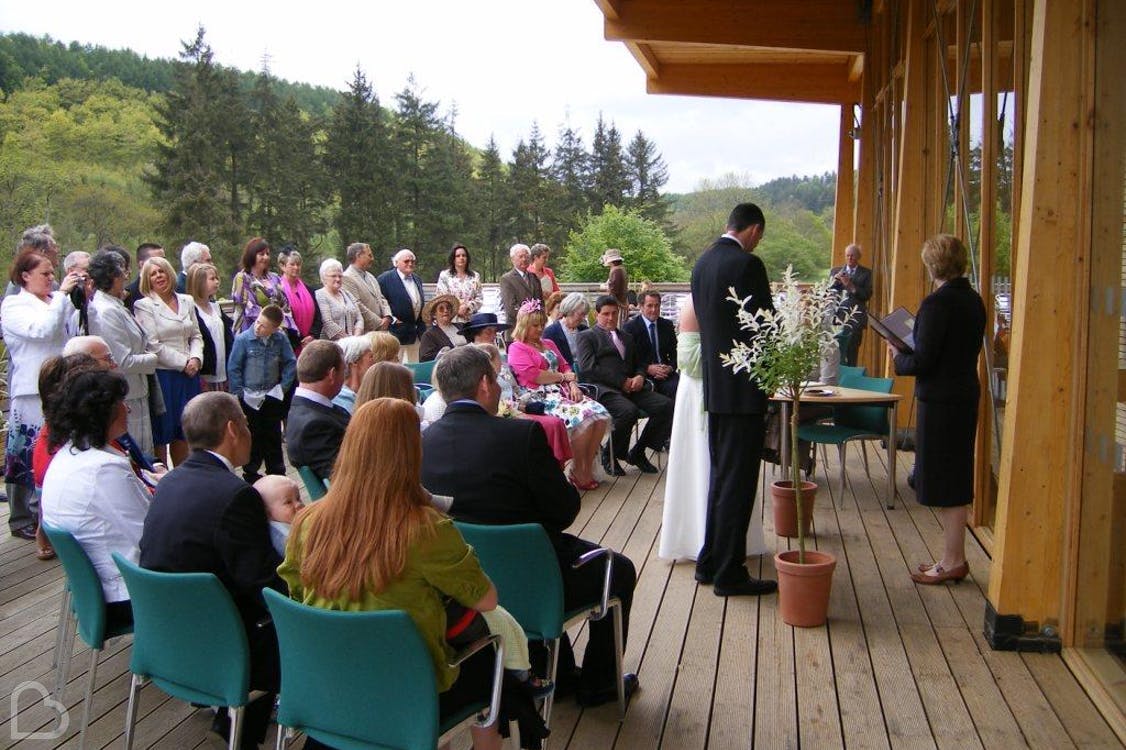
[259,364]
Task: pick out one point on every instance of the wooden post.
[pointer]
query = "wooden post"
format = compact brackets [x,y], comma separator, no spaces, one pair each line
[842,210]
[864,218]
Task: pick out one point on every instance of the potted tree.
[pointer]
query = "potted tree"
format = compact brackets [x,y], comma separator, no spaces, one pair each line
[787,345]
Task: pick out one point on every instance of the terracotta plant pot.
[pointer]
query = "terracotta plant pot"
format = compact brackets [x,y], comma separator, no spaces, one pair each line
[786,510]
[803,589]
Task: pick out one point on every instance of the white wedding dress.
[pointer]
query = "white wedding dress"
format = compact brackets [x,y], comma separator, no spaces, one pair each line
[689,469]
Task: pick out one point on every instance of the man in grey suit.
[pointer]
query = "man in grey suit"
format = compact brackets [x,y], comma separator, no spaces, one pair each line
[518,285]
[854,281]
[365,288]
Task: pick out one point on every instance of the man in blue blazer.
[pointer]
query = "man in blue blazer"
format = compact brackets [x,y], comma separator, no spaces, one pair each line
[402,288]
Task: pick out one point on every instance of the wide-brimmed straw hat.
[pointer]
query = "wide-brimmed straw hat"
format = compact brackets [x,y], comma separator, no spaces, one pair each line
[612,255]
[481,321]
[429,307]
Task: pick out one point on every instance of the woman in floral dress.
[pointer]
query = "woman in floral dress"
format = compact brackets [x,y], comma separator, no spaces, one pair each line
[462,283]
[256,286]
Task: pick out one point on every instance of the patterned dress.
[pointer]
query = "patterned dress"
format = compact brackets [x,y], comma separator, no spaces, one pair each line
[467,289]
[526,362]
[251,293]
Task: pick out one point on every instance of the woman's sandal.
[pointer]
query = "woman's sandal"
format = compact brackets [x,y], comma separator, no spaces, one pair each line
[539,687]
[593,484]
[45,553]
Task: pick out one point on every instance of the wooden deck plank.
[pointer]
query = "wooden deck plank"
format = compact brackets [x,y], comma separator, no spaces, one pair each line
[1082,721]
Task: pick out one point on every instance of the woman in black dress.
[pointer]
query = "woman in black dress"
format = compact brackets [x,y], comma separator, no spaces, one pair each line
[948,336]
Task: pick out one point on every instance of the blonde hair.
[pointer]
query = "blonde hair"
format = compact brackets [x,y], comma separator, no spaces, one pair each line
[387,380]
[356,538]
[146,285]
[197,279]
[945,257]
[523,320]
[384,346]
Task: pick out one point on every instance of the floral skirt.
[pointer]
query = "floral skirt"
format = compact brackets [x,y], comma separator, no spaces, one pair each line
[24,425]
[575,414]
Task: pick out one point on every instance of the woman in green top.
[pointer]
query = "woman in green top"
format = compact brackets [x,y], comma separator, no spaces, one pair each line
[374,542]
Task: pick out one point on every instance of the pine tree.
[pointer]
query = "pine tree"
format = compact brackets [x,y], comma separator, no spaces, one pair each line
[647,174]
[609,179]
[493,201]
[531,188]
[570,168]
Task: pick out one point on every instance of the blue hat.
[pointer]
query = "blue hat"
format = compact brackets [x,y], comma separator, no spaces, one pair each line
[481,321]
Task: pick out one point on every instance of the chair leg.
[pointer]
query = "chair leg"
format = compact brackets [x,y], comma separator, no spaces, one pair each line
[64,618]
[236,726]
[841,457]
[619,648]
[91,677]
[552,674]
[70,632]
[280,744]
[62,641]
[131,710]
[864,452]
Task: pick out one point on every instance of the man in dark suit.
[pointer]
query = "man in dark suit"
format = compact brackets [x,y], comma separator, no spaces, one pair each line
[735,404]
[315,426]
[402,288]
[854,281]
[501,471]
[518,285]
[656,344]
[145,251]
[205,519]
[607,359]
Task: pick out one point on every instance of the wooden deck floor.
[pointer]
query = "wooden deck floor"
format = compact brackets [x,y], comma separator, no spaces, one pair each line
[896,666]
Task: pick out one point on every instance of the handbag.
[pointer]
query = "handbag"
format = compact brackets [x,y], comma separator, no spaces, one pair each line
[463,625]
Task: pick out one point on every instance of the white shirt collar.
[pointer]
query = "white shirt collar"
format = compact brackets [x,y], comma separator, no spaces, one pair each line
[221,457]
[312,396]
[730,236]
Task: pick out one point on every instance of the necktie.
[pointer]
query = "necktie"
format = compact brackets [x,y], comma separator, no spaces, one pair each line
[618,343]
[653,340]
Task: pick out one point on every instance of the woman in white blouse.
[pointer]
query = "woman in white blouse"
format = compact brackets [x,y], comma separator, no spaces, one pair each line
[169,321]
[215,326]
[34,328]
[340,315]
[462,282]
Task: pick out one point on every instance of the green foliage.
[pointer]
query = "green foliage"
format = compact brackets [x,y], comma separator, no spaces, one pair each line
[647,251]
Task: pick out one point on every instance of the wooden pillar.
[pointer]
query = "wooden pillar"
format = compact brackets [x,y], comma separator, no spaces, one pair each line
[843,207]
[864,216]
[1043,438]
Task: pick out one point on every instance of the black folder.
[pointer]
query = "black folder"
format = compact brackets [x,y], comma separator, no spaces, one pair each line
[898,327]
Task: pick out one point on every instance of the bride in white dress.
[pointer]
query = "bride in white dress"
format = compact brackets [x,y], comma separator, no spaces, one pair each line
[689,466]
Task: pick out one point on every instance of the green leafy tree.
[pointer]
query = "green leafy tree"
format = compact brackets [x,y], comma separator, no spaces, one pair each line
[645,247]
[531,188]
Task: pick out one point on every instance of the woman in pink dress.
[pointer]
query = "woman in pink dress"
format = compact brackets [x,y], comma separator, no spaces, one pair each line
[306,313]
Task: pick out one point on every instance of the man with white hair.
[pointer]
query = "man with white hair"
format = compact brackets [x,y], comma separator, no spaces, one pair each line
[192,253]
[518,285]
[403,289]
[94,346]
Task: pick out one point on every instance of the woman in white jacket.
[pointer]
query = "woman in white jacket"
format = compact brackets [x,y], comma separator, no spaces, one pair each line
[34,327]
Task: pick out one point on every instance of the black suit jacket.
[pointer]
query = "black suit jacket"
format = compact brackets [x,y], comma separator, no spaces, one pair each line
[313,433]
[600,363]
[554,332]
[723,265]
[204,519]
[858,298]
[133,293]
[410,326]
[948,331]
[638,328]
[498,471]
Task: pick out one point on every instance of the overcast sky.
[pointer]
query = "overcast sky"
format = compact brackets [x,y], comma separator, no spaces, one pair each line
[504,64]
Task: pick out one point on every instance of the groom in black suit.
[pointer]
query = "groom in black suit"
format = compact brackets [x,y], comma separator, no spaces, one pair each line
[735,404]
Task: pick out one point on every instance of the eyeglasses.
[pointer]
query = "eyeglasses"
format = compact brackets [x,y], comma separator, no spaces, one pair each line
[408,261]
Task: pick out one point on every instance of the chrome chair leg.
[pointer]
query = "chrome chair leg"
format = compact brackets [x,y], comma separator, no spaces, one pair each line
[131,710]
[91,677]
[619,648]
[553,675]
[236,726]
[64,644]
[841,457]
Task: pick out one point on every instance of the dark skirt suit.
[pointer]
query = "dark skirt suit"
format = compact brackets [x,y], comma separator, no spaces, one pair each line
[948,335]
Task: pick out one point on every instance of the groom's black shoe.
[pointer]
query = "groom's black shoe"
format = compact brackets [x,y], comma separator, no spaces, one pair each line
[638,458]
[703,576]
[611,466]
[749,587]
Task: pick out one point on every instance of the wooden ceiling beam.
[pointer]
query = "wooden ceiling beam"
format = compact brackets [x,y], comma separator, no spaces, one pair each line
[821,25]
[816,83]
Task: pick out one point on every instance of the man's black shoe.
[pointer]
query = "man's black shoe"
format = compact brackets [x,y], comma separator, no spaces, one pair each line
[592,698]
[27,532]
[703,577]
[749,587]
[637,458]
[612,467]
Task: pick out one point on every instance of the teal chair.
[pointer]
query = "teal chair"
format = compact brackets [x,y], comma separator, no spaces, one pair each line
[188,640]
[851,423]
[314,485]
[522,564]
[88,604]
[374,688]
[847,375]
[422,372]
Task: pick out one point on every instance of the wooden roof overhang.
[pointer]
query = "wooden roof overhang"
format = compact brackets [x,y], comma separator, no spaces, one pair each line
[801,51]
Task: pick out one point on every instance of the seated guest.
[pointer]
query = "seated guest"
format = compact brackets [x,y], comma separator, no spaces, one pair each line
[315,426]
[656,344]
[358,357]
[482,328]
[387,380]
[90,489]
[205,519]
[282,499]
[608,360]
[384,347]
[501,471]
[442,334]
[563,332]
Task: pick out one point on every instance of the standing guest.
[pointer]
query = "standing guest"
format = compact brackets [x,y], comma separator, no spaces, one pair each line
[948,332]
[90,489]
[340,315]
[204,519]
[462,282]
[519,284]
[540,254]
[608,360]
[442,334]
[565,331]
[403,289]
[41,239]
[168,319]
[302,304]
[33,322]
[256,286]
[315,426]
[79,262]
[617,283]
[736,405]
[362,285]
[190,254]
[215,326]
[482,328]
[358,357]
[854,281]
[145,251]
[656,344]
[262,369]
[127,342]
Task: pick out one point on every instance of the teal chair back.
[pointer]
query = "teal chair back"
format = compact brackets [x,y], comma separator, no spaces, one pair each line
[354,679]
[86,597]
[422,371]
[847,375]
[522,564]
[870,419]
[313,484]
[188,636]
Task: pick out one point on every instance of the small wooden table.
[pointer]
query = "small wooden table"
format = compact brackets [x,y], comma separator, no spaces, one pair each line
[841,397]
